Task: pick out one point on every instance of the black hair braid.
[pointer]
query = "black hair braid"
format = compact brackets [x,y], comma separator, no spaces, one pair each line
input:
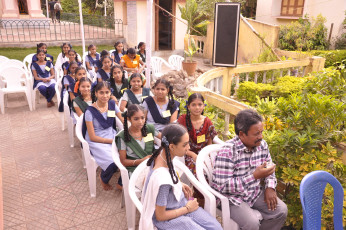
[93,95]
[170,165]
[170,98]
[144,129]
[188,120]
[154,156]
[126,128]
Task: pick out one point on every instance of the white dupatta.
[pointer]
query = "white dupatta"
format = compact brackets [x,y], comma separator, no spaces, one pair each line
[158,177]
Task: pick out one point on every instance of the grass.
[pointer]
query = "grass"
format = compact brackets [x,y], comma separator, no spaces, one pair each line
[21,53]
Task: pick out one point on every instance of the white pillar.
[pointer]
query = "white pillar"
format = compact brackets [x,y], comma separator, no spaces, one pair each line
[105,7]
[47,9]
[148,41]
[81,26]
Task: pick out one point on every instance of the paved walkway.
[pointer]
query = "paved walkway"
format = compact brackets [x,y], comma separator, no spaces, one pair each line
[44,183]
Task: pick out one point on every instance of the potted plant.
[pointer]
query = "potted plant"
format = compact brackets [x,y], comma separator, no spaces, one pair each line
[189,65]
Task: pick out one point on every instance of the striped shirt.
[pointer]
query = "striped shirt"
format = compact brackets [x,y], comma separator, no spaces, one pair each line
[233,171]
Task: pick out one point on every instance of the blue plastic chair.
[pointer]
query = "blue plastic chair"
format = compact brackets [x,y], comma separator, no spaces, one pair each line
[311,193]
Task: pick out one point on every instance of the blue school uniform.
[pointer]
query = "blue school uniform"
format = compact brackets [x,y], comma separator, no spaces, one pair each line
[70,82]
[48,58]
[47,89]
[66,65]
[117,56]
[103,75]
[104,127]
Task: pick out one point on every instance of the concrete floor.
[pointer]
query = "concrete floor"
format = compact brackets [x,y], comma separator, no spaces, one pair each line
[44,183]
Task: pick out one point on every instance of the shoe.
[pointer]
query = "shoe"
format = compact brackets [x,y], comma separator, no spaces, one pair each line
[119,187]
[52,102]
[49,104]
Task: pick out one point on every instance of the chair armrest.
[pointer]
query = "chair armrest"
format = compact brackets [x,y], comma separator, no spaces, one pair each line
[168,65]
[217,140]
[210,202]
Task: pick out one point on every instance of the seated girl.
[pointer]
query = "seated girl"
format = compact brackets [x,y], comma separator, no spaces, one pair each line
[80,73]
[91,61]
[103,53]
[135,143]
[42,46]
[72,56]
[118,52]
[167,202]
[162,108]
[141,51]
[118,82]
[131,62]
[103,74]
[43,72]
[67,81]
[200,128]
[83,100]
[136,93]
[99,130]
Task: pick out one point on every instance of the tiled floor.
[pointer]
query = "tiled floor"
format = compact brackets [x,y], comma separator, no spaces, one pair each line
[44,183]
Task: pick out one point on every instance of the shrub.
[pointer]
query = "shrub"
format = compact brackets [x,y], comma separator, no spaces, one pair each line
[304,35]
[300,131]
[283,86]
[249,90]
[331,56]
[329,81]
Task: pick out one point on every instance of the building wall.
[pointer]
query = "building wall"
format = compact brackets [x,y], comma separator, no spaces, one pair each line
[333,10]
[135,22]
[9,10]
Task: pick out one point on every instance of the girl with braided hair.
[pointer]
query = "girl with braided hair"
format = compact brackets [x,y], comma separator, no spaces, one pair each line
[135,143]
[72,56]
[118,82]
[136,92]
[200,128]
[162,108]
[99,130]
[42,46]
[103,74]
[83,100]
[167,202]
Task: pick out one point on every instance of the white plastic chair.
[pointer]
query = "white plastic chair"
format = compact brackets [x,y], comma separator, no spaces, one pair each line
[204,166]
[27,62]
[69,119]
[137,183]
[3,59]
[130,208]
[156,65]
[175,61]
[14,77]
[88,160]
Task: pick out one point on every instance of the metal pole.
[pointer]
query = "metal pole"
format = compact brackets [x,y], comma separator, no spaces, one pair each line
[81,25]
[149,41]
[105,2]
[47,9]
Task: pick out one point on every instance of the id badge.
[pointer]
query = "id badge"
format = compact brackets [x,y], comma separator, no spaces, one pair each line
[48,58]
[148,138]
[200,139]
[135,62]
[47,68]
[111,113]
[144,97]
[122,91]
[166,113]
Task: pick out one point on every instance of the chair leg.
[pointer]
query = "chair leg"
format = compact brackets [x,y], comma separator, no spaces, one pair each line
[33,99]
[2,104]
[122,199]
[28,97]
[70,131]
[92,179]
[83,158]
[62,119]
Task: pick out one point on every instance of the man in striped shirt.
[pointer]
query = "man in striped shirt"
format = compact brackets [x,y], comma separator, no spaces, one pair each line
[240,167]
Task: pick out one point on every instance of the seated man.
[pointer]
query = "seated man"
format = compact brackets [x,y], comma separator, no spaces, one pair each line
[239,168]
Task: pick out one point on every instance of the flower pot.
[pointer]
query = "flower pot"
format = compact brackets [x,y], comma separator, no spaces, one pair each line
[189,67]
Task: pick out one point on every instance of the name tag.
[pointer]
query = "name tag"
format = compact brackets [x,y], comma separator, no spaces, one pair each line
[111,113]
[166,113]
[48,58]
[122,91]
[148,138]
[47,68]
[144,97]
[200,139]
[135,62]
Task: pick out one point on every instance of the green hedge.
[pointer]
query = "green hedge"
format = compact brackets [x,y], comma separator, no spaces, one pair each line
[282,87]
[331,56]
